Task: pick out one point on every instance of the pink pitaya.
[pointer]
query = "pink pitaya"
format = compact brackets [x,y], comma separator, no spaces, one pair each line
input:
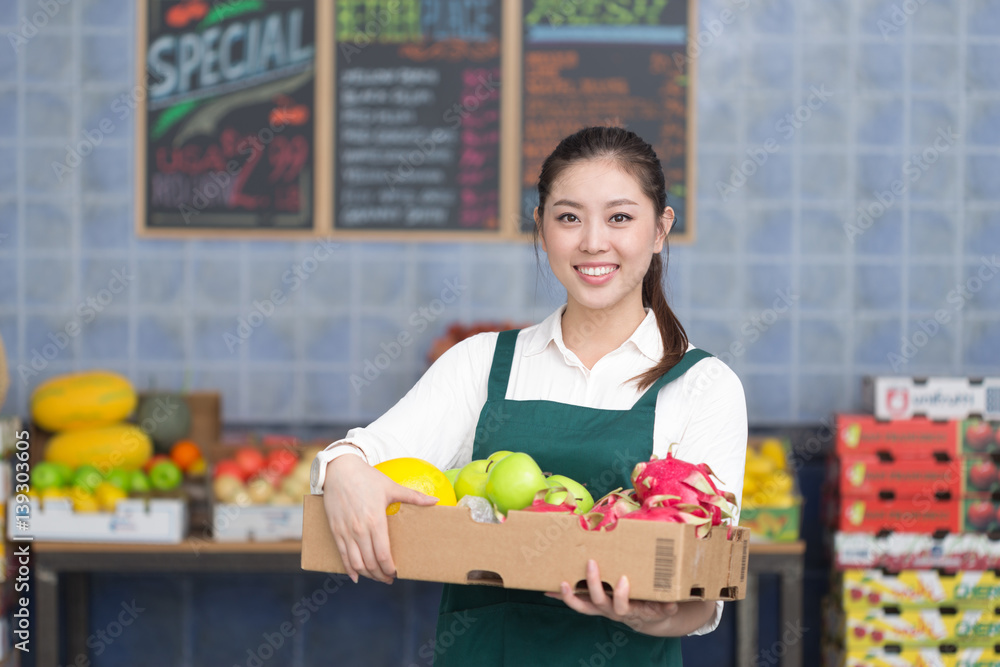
[667,509]
[539,504]
[691,484]
[605,513]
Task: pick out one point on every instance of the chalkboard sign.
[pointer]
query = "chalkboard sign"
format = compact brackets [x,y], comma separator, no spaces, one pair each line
[609,63]
[417,116]
[226,137]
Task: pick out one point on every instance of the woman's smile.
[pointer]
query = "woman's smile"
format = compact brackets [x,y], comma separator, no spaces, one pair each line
[596,274]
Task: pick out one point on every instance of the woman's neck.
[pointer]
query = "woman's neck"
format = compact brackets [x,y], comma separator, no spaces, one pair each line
[592,334]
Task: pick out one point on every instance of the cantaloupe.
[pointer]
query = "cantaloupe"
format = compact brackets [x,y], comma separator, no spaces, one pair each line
[82,401]
[118,446]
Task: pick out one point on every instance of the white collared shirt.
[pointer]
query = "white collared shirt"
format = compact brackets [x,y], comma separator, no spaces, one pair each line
[703,411]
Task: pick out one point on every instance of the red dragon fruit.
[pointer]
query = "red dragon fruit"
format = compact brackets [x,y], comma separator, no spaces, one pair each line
[687,483]
[605,513]
[668,510]
[540,505]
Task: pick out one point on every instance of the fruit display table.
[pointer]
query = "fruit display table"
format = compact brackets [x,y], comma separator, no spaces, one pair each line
[73,561]
[62,569]
[786,559]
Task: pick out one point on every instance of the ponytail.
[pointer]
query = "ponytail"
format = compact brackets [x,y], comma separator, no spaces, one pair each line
[672,334]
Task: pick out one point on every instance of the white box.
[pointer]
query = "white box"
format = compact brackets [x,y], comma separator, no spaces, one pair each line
[258,523]
[156,521]
[935,397]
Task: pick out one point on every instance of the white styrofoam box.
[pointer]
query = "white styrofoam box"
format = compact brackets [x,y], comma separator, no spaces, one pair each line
[156,521]
[916,551]
[933,397]
[258,523]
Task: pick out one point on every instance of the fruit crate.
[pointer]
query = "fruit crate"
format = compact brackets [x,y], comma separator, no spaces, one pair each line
[267,510]
[537,551]
[772,511]
[893,656]
[904,551]
[933,397]
[903,479]
[921,514]
[135,520]
[914,588]
[980,437]
[911,628]
[916,438]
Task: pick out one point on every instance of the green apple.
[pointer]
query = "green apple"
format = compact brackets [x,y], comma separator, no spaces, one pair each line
[581,496]
[496,456]
[165,476]
[452,474]
[471,480]
[513,482]
[47,476]
[119,478]
[138,482]
[87,477]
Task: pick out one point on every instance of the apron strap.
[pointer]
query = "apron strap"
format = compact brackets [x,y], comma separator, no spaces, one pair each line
[690,358]
[503,357]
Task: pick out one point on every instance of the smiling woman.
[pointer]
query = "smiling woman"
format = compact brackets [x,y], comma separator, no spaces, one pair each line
[591,386]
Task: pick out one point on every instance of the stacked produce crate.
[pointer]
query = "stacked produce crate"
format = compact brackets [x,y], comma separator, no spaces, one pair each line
[914,500]
[771,506]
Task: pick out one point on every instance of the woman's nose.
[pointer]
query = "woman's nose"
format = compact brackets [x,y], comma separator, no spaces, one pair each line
[593,237]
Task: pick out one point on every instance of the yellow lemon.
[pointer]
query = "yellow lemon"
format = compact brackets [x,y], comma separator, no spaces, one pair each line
[773,450]
[419,475]
[781,501]
[52,493]
[83,501]
[108,495]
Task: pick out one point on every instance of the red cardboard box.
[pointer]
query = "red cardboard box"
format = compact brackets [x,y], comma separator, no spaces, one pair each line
[916,438]
[980,515]
[867,475]
[920,515]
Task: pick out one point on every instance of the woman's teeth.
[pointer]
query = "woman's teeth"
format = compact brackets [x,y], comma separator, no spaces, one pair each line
[596,270]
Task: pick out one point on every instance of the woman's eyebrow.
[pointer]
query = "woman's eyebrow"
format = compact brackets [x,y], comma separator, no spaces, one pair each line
[610,204]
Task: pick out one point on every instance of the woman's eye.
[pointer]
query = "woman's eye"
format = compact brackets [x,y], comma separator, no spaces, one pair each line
[568,217]
[620,217]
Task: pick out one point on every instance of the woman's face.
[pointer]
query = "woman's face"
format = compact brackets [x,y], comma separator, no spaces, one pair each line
[600,232]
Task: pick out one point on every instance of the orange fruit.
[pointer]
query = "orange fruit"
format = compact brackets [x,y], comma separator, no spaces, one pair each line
[419,475]
[184,453]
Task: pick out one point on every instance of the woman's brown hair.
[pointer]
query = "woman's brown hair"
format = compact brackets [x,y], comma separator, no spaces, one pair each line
[637,158]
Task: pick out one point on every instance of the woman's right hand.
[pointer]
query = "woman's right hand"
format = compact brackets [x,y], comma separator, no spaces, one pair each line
[355,496]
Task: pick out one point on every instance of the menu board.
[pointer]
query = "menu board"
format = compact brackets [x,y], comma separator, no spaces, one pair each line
[417,115]
[608,63]
[227,130]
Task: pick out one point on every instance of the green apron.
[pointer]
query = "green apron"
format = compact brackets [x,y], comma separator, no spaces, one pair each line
[493,627]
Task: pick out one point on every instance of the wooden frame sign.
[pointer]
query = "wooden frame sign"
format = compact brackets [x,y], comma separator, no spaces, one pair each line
[226,138]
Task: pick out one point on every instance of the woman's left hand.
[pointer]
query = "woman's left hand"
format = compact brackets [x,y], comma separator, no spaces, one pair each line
[652,618]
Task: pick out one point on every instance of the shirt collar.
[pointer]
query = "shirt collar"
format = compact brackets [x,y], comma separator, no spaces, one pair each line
[645,339]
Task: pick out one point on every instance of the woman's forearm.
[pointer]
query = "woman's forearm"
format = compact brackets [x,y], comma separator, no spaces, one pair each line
[689,617]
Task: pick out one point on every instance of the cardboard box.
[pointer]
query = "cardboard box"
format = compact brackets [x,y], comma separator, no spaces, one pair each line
[902,551]
[532,551]
[920,627]
[919,515]
[906,479]
[916,438]
[861,589]
[880,656]
[934,397]
[981,515]
[159,521]
[773,524]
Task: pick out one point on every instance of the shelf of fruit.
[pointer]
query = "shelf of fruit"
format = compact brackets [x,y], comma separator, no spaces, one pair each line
[257,491]
[457,332]
[771,506]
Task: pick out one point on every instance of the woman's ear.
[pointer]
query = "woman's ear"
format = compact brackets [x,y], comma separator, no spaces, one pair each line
[666,222]
[538,226]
